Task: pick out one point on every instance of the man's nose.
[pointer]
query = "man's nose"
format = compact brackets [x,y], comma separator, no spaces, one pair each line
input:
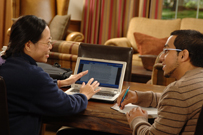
[161,56]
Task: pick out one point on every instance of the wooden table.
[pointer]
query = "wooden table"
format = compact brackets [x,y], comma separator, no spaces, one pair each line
[100,117]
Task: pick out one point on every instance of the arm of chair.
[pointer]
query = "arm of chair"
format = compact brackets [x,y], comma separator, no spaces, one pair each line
[65,60]
[122,42]
[75,36]
[64,53]
[158,76]
[158,66]
[66,47]
[72,36]
[8,32]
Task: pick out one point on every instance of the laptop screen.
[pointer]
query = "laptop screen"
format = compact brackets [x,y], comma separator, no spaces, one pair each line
[108,74]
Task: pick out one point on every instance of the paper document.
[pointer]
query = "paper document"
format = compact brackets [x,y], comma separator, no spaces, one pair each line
[152,112]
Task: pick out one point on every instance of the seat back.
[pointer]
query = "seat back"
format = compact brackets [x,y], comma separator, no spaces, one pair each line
[45,9]
[109,53]
[191,23]
[4,120]
[199,130]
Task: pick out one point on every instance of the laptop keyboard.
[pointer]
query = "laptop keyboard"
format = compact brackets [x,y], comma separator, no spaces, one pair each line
[105,94]
[75,90]
[101,93]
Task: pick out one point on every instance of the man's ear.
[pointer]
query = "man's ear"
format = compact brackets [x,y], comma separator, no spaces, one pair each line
[184,55]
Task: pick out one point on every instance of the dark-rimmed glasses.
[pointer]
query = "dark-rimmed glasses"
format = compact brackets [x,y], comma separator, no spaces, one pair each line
[166,50]
[49,43]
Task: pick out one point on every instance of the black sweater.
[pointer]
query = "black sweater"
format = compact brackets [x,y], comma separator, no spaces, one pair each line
[32,94]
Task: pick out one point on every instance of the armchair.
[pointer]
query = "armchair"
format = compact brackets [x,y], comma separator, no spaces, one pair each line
[54,12]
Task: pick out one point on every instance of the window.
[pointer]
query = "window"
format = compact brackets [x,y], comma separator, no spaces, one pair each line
[173,9]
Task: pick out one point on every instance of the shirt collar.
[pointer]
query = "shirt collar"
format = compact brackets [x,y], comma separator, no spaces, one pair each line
[26,58]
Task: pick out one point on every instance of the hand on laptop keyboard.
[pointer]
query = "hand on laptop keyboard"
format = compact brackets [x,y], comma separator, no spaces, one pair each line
[89,89]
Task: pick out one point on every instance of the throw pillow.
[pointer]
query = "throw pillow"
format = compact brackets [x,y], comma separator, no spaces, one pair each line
[58,27]
[148,45]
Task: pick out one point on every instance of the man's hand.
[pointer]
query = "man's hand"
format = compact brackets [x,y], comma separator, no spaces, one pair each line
[131,97]
[135,112]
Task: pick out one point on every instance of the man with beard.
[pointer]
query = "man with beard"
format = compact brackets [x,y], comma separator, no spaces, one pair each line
[180,103]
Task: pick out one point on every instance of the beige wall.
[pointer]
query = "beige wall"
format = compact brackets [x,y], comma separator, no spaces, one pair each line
[75,9]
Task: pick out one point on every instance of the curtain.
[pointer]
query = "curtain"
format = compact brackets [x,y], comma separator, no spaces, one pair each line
[150,8]
[5,20]
[105,19]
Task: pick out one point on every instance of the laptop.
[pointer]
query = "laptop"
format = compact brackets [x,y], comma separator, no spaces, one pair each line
[109,73]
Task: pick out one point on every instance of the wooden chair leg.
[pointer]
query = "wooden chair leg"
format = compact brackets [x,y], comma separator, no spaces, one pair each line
[43,128]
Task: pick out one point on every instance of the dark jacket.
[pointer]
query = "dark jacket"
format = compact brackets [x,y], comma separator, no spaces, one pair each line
[33,94]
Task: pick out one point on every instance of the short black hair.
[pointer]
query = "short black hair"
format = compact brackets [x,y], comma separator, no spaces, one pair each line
[192,41]
[26,28]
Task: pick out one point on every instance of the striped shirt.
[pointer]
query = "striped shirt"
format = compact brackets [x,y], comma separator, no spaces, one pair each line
[178,107]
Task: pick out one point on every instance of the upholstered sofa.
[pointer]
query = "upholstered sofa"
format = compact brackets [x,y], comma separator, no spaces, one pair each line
[147,36]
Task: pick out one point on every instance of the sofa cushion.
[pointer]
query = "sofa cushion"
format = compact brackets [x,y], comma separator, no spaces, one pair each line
[149,45]
[58,26]
[192,23]
[154,27]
